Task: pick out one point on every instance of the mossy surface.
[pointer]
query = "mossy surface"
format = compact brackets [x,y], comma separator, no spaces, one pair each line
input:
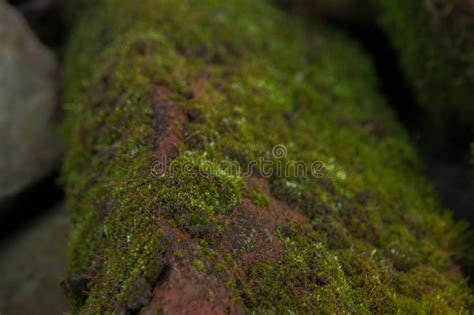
[373,237]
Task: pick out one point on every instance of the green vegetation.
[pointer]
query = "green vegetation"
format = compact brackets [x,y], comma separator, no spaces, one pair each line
[374,238]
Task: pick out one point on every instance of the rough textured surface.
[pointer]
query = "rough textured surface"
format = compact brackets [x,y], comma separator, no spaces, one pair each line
[159,222]
[32,264]
[29,142]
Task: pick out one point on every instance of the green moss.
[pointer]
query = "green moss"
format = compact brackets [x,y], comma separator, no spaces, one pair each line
[257,197]
[317,282]
[199,265]
[372,221]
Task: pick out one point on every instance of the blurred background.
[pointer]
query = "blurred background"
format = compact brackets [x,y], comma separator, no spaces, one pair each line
[33,218]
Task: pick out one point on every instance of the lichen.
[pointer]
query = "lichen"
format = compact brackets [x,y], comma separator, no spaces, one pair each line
[374,237]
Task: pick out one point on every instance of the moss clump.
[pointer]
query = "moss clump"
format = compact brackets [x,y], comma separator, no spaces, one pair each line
[194,190]
[372,236]
[199,265]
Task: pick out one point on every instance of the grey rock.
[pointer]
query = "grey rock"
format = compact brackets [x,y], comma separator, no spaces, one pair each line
[32,264]
[29,141]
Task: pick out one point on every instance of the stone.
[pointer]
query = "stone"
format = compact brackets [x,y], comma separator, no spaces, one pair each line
[32,264]
[29,142]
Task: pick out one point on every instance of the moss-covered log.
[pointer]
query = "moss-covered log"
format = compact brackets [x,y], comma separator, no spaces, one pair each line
[166,98]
